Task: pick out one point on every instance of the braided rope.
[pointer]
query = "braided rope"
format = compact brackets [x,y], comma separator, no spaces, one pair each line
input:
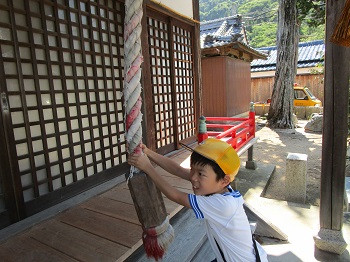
[132,68]
[156,239]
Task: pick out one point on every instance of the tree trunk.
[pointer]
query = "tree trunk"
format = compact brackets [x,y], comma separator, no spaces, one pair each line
[281,108]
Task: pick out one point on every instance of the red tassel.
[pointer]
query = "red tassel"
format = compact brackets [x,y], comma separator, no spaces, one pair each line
[150,244]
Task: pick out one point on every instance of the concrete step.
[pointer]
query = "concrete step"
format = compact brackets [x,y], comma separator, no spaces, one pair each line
[189,238]
[263,227]
[205,253]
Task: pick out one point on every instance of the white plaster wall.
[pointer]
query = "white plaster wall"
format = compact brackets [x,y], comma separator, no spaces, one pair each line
[183,7]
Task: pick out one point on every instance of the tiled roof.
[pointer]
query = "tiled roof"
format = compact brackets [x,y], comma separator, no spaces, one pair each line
[310,54]
[221,31]
[226,31]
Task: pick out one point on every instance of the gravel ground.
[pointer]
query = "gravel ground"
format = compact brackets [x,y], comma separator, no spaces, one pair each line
[273,147]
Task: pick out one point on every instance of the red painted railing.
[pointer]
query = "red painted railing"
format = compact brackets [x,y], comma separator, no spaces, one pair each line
[234,130]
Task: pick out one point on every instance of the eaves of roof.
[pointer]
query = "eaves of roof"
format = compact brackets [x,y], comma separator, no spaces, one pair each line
[234,48]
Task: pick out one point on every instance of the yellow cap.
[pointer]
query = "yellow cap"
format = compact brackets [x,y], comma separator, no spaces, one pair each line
[221,153]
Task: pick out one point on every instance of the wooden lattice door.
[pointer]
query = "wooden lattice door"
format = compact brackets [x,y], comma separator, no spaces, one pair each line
[61,68]
[171,62]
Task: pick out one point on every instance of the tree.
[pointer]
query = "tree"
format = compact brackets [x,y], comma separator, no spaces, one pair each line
[281,107]
[290,15]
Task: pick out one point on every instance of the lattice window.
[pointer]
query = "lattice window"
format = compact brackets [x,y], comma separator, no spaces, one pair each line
[172,79]
[63,66]
[184,82]
[161,81]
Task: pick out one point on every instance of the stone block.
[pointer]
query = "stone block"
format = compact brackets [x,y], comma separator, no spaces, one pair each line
[315,124]
[309,110]
[330,240]
[295,186]
[300,112]
[261,109]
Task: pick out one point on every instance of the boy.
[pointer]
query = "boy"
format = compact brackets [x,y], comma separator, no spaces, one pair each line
[214,165]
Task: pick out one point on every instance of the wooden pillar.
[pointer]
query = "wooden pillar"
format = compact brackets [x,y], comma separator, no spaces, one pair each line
[197,63]
[148,200]
[148,126]
[335,130]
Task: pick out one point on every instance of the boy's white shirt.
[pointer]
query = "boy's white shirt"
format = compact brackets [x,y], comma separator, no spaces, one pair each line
[227,223]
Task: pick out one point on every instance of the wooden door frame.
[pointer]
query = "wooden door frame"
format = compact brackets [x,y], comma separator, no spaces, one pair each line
[164,15]
[14,202]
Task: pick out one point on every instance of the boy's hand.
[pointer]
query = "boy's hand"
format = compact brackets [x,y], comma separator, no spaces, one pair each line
[140,161]
[145,149]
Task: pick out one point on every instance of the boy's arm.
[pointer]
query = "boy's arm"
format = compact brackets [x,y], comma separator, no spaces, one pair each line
[142,162]
[167,164]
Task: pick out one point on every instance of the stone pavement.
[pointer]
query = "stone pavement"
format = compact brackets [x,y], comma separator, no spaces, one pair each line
[299,222]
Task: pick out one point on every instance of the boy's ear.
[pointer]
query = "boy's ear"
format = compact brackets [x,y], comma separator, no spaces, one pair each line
[226,180]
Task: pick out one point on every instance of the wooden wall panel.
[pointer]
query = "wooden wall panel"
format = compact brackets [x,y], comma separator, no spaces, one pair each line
[226,86]
[213,84]
[261,88]
[237,86]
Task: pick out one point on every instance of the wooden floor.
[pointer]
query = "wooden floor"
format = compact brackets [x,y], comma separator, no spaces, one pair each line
[104,228]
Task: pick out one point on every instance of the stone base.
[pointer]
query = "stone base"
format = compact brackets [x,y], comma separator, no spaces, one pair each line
[330,241]
[250,165]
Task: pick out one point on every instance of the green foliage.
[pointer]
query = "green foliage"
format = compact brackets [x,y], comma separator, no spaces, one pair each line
[308,33]
[260,18]
[259,10]
[214,9]
[311,12]
[263,35]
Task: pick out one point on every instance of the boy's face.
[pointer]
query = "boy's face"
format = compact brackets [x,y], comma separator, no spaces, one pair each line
[203,179]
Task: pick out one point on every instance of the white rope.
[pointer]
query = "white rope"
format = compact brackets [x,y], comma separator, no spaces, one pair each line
[132,69]
[132,99]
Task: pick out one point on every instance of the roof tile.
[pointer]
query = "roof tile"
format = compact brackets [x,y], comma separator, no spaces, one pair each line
[310,54]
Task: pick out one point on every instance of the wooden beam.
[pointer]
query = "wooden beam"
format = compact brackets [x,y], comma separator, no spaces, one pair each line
[236,49]
[335,129]
[148,200]
[168,12]
[148,126]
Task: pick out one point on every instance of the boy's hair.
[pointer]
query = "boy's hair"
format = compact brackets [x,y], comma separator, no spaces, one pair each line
[198,159]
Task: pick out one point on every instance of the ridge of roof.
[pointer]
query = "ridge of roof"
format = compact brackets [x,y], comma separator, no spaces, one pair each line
[224,32]
[301,44]
[220,19]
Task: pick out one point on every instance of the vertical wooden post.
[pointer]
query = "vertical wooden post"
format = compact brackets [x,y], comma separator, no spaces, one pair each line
[335,130]
[197,63]
[148,126]
[148,200]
